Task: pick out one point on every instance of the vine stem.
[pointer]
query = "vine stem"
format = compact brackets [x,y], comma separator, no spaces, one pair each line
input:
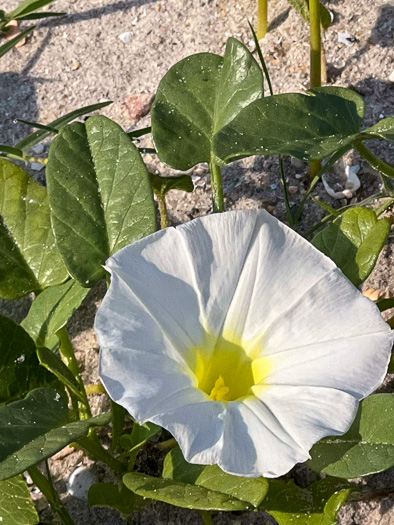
[68,354]
[46,487]
[95,449]
[206,517]
[161,201]
[374,161]
[217,188]
[315,63]
[262,19]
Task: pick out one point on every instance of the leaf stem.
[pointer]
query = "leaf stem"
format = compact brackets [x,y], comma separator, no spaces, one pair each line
[118,423]
[262,24]
[68,354]
[285,192]
[206,517]
[161,201]
[381,166]
[315,63]
[217,188]
[94,448]
[168,444]
[95,389]
[46,487]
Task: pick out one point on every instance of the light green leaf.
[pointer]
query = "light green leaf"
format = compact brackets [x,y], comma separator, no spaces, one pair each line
[308,126]
[197,97]
[162,185]
[34,262]
[135,441]
[368,446]
[317,504]
[109,495]
[54,364]
[12,43]
[354,241]
[16,505]
[20,370]
[99,194]
[383,129]
[36,428]
[28,142]
[181,494]
[51,311]
[27,7]
[250,490]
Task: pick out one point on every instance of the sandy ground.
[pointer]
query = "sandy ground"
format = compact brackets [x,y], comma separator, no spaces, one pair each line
[80,60]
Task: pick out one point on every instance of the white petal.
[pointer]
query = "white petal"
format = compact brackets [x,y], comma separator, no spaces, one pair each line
[308,414]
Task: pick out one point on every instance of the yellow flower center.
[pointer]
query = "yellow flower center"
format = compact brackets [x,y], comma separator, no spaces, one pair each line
[228,371]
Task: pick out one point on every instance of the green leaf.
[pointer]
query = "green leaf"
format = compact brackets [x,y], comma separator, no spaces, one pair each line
[135,134]
[368,446]
[54,364]
[383,129]
[33,261]
[36,428]
[250,490]
[302,8]
[27,143]
[197,97]
[99,194]
[354,241]
[52,310]
[40,16]
[27,7]
[317,504]
[12,43]
[135,441]
[109,495]
[20,370]
[10,152]
[16,505]
[181,494]
[308,126]
[162,185]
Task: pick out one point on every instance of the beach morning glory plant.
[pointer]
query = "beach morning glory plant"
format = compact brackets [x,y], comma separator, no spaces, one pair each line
[241,339]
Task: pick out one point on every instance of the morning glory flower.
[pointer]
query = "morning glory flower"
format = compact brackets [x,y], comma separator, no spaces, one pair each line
[241,339]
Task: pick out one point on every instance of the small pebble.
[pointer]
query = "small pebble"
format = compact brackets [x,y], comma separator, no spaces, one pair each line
[38,148]
[293,189]
[36,166]
[126,37]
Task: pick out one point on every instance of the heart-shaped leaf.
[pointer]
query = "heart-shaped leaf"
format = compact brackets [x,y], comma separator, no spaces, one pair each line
[383,129]
[308,126]
[51,311]
[317,504]
[16,505]
[354,241]
[181,494]
[197,97]
[37,427]
[250,490]
[368,446]
[20,370]
[29,259]
[99,194]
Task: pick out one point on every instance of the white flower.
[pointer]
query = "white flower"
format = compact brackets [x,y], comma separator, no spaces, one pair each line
[241,339]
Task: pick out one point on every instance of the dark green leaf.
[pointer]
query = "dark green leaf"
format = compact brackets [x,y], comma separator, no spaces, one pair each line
[16,505]
[250,490]
[318,504]
[54,364]
[385,304]
[181,494]
[20,370]
[40,16]
[52,131]
[162,185]
[108,495]
[36,428]
[26,223]
[368,446]
[310,126]
[9,151]
[135,441]
[99,194]
[28,6]
[354,241]
[197,97]
[139,132]
[12,43]
[51,311]
[27,143]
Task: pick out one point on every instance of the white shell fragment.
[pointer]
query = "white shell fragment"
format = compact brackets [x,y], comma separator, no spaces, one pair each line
[126,37]
[351,186]
[346,38]
[80,482]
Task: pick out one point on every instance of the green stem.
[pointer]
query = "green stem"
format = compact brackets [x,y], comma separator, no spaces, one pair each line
[262,24]
[161,200]
[118,423]
[167,445]
[285,192]
[206,517]
[315,63]
[217,188]
[46,487]
[94,448]
[68,354]
[95,389]
[385,169]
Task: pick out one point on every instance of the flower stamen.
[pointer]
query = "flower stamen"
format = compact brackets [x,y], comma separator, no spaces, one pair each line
[220,392]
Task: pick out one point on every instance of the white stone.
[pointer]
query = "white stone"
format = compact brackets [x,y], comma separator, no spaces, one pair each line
[79,483]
